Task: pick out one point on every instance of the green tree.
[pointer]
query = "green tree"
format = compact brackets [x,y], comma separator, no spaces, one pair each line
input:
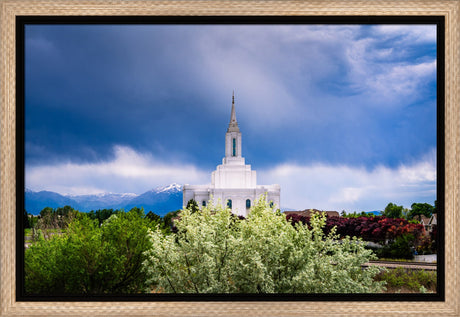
[167,222]
[46,211]
[393,211]
[215,252]
[102,214]
[420,209]
[192,205]
[401,248]
[53,221]
[357,214]
[139,211]
[65,211]
[33,221]
[153,217]
[26,222]
[44,266]
[90,259]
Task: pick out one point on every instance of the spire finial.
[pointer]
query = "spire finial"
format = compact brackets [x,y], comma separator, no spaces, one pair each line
[233,126]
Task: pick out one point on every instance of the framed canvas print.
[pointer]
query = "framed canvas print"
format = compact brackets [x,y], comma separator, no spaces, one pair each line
[198,159]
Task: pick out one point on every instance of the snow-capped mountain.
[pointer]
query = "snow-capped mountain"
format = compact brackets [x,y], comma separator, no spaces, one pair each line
[160,200]
[170,188]
[101,201]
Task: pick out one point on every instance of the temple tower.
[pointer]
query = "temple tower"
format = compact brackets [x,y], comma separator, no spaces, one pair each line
[233,182]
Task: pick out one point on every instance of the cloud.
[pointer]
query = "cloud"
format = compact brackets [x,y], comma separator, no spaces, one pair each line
[129,171]
[411,33]
[402,80]
[340,187]
[278,71]
[388,75]
[337,94]
[326,187]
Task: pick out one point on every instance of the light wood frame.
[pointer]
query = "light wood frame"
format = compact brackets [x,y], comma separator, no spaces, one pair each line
[9,9]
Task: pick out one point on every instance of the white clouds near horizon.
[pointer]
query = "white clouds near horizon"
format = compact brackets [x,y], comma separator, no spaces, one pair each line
[342,187]
[128,172]
[321,186]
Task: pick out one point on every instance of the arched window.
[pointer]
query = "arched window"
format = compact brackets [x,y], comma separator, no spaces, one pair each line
[248,203]
[271,204]
[229,203]
[203,203]
[234,147]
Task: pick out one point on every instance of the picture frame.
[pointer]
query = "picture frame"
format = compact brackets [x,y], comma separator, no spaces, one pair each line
[11,9]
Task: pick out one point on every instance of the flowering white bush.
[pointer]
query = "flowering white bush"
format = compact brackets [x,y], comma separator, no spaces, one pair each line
[215,252]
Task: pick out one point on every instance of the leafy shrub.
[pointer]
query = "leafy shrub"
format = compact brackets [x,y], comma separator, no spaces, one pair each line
[434,238]
[377,229]
[403,280]
[215,252]
[90,259]
[426,246]
[401,248]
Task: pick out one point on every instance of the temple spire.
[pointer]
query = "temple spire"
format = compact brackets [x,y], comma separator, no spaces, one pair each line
[233,125]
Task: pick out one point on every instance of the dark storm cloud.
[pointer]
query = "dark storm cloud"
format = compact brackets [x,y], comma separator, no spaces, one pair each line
[357,96]
[98,86]
[95,87]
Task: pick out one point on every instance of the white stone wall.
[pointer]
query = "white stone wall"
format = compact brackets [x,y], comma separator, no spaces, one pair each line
[238,196]
[234,176]
[196,192]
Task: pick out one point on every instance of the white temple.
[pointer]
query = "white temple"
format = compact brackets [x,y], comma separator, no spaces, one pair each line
[233,182]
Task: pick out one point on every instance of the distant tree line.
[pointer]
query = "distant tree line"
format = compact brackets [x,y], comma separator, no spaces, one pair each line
[59,218]
[394,211]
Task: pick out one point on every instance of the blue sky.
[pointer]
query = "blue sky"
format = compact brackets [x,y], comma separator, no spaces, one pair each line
[341,116]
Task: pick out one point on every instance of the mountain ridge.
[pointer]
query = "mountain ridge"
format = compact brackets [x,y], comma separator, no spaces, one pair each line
[160,200]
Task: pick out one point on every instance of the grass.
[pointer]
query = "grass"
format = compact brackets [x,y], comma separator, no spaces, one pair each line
[401,280]
[395,260]
[398,260]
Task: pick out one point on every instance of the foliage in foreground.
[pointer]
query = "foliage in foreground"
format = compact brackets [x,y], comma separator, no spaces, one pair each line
[214,252]
[90,259]
[403,280]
